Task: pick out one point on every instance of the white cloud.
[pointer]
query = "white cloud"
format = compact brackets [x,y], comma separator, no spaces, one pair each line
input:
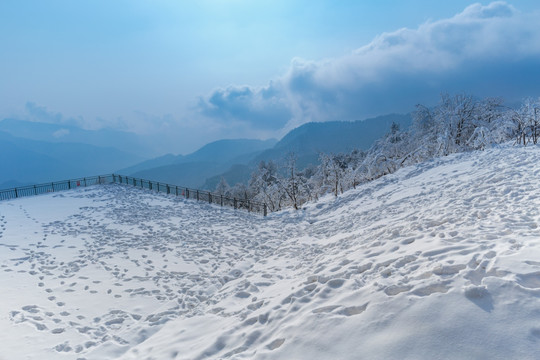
[491,50]
[60,133]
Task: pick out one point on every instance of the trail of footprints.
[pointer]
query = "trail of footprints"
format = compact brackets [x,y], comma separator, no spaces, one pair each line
[98,244]
[123,227]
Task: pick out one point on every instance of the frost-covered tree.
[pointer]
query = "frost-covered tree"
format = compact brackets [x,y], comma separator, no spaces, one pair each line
[527,122]
[223,188]
[264,184]
[307,190]
[240,191]
[387,154]
[290,183]
[487,117]
[532,109]
[352,177]
[333,168]
[458,123]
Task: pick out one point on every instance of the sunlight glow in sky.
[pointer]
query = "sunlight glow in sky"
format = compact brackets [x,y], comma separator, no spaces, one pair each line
[202,70]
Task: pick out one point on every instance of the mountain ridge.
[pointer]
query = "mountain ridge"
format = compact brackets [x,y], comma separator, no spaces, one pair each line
[34,161]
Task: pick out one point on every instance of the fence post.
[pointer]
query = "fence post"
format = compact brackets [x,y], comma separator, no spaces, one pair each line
[210,198]
[264,209]
[69,184]
[187,193]
[197,195]
[52,185]
[150,185]
[35,190]
[99,179]
[168,189]
[84,182]
[235,204]
[222,200]
[16,194]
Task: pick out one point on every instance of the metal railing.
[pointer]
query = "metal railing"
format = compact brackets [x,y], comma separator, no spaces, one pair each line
[32,190]
[187,193]
[199,195]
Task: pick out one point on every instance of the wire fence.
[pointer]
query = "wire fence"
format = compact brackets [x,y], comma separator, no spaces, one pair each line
[32,190]
[187,193]
[195,194]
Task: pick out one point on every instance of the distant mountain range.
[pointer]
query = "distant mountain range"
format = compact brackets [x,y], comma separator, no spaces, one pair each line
[25,161]
[236,159]
[311,139]
[192,170]
[33,152]
[55,133]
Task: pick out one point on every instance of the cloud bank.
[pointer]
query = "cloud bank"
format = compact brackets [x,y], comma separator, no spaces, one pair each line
[491,50]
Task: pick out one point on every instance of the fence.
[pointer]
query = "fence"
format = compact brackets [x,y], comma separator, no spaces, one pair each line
[199,195]
[32,190]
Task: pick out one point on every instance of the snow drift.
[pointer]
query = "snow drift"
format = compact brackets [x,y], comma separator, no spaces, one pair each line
[438,260]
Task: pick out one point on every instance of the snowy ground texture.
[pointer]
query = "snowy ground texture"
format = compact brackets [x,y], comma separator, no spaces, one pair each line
[440,260]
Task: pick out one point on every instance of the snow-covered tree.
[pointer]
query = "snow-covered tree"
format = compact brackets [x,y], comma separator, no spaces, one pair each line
[352,177]
[290,184]
[222,188]
[458,123]
[240,191]
[527,122]
[264,184]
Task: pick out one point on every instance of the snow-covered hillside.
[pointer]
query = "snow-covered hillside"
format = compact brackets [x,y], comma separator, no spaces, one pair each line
[439,260]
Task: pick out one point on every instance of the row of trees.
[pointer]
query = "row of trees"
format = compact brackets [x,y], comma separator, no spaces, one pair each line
[458,123]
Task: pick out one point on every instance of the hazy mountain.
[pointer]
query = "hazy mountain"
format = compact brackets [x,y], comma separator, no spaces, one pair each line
[227,151]
[56,133]
[223,151]
[190,174]
[157,162]
[27,161]
[193,169]
[32,159]
[22,167]
[238,173]
[310,139]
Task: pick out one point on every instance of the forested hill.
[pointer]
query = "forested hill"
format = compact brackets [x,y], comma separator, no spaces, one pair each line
[311,139]
[308,141]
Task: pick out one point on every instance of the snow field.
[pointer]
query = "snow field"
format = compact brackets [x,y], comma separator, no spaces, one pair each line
[439,260]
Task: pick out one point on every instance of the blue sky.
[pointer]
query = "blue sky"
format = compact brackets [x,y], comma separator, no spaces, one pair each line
[196,71]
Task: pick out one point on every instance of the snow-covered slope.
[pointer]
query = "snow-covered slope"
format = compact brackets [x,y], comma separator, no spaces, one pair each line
[440,260]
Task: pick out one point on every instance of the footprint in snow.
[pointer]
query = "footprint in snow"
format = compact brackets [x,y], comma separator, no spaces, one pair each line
[275,344]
